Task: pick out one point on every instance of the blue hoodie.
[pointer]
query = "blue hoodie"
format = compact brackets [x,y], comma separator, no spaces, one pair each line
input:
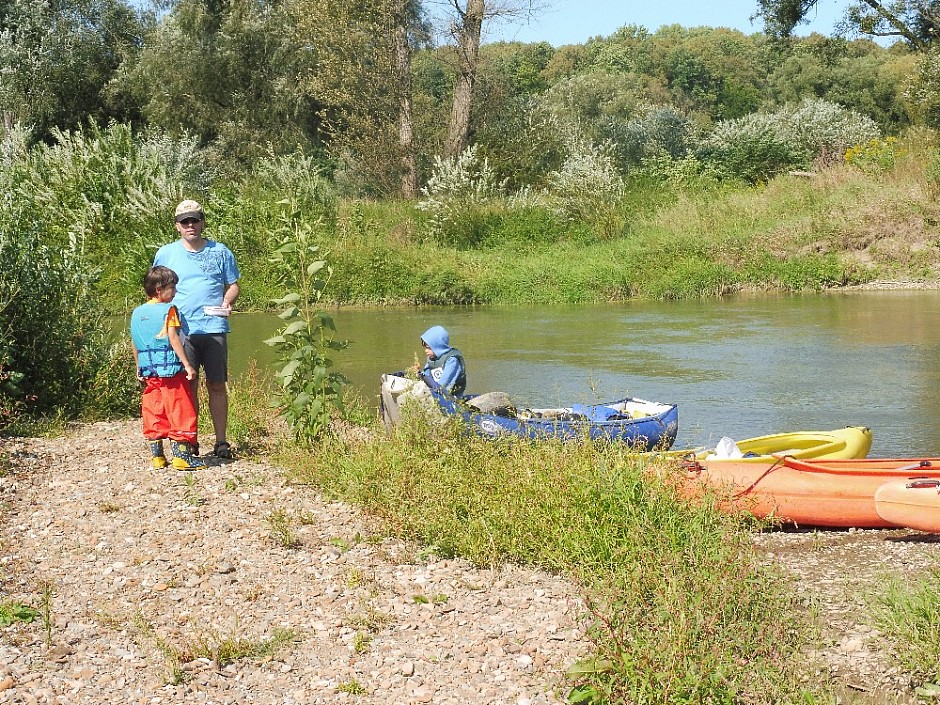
[445,371]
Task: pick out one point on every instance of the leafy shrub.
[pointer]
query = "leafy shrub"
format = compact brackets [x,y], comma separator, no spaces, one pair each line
[758,146]
[78,217]
[48,321]
[109,192]
[588,187]
[310,390]
[659,131]
[455,195]
[752,148]
[820,127]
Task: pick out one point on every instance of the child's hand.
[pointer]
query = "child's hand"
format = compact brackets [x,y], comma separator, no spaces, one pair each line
[190,373]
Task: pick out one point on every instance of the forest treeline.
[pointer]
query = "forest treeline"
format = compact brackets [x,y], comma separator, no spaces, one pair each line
[375,91]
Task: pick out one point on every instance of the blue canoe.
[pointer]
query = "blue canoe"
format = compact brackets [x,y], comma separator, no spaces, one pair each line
[643,424]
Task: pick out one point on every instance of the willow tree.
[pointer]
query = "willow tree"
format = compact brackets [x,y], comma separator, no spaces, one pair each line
[224,71]
[465,20]
[57,60]
[358,66]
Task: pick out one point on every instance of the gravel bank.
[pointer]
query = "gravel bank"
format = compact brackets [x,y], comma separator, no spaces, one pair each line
[145,567]
[155,579]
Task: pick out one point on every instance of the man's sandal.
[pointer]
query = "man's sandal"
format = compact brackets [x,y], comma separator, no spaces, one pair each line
[223,450]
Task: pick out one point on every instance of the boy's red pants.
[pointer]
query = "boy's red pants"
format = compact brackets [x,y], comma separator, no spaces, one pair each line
[168,409]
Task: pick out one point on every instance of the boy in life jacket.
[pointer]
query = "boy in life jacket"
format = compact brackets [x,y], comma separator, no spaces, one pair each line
[445,368]
[167,403]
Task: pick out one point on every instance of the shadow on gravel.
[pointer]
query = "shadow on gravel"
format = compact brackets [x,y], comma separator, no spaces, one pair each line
[916,538]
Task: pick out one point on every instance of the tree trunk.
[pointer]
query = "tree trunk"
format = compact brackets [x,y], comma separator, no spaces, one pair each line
[468,49]
[409,171]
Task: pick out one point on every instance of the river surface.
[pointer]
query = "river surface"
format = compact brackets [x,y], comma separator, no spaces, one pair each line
[738,367]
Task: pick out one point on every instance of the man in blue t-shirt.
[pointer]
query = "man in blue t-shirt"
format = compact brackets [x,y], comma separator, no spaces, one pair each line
[207,290]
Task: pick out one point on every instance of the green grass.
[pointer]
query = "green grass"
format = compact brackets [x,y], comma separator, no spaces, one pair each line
[909,615]
[682,610]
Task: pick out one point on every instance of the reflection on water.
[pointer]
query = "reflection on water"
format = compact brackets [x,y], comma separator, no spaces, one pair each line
[740,367]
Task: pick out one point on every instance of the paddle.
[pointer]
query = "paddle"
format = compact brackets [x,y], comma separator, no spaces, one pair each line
[914,466]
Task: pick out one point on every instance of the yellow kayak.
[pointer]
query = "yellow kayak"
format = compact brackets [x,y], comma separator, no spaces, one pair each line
[849,442]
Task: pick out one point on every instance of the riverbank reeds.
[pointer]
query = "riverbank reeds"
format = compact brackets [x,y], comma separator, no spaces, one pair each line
[681,609]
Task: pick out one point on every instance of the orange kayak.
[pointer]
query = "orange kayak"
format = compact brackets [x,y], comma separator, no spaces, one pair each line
[815,492]
[911,503]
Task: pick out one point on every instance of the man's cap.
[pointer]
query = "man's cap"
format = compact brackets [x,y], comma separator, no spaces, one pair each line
[189,209]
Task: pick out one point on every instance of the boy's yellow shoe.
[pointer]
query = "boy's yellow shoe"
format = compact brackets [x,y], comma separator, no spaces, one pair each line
[158,459]
[184,458]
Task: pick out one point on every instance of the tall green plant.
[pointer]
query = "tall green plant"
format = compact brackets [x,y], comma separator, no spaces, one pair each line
[310,390]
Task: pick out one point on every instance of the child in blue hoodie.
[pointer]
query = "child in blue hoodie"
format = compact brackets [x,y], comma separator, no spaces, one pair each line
[445,368]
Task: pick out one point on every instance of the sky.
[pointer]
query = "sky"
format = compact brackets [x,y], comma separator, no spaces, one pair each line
[576,21]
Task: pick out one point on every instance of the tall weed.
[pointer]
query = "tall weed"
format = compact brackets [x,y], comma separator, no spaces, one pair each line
[456,196]
[310,391]
[761,145]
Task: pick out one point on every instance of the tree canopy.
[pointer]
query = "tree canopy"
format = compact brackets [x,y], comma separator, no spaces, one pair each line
[375,90]
[913,21]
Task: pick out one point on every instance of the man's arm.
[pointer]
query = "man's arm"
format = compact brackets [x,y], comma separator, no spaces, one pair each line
[231,295]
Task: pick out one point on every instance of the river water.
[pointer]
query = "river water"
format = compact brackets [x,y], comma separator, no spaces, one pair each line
[737,367]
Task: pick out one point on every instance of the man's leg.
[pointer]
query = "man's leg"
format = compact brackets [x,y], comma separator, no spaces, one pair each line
[218,408]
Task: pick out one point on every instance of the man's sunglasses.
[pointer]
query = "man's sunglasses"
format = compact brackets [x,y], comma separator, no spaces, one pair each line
[190,221]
